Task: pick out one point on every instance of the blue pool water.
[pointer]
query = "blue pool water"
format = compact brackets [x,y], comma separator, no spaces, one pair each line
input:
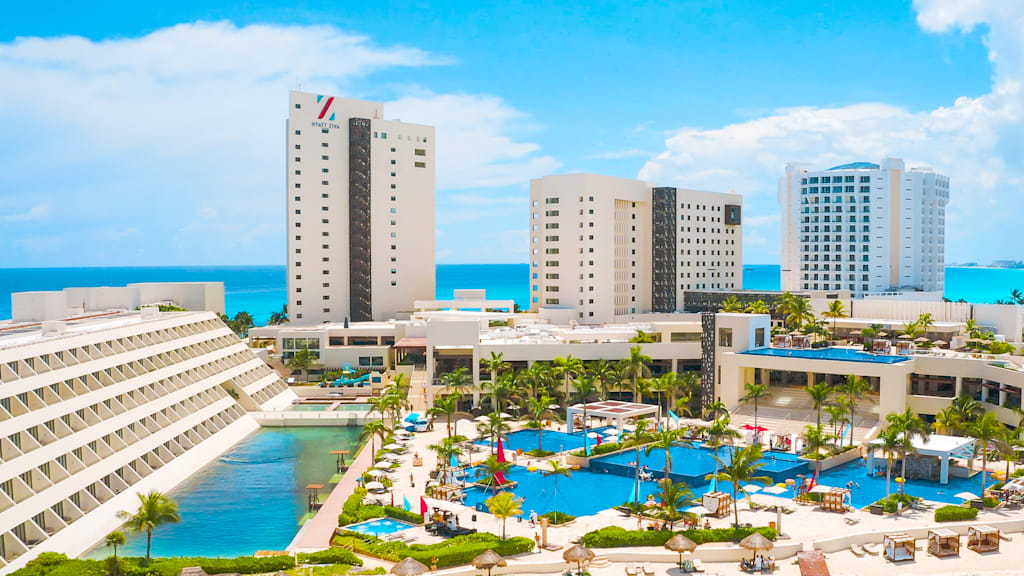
[551,440]
[691,465]
[379,527]
[845,354]
[250,498]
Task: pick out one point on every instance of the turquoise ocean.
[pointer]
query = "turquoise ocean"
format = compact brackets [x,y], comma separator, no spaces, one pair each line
[261,290]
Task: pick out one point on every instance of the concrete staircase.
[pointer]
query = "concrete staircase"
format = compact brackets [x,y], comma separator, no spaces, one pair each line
[790,409]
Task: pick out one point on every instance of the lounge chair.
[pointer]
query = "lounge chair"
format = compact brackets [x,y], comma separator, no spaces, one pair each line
[631,571]
[871,549]
[851,521]
[648,571]
[698,566]
[857,550]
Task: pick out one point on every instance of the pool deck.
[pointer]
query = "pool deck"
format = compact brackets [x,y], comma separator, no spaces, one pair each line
[316,534]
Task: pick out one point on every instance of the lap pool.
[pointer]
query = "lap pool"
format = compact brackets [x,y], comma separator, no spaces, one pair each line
[249,499]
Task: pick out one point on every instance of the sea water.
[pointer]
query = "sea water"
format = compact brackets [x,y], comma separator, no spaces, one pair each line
[262,290]
[250,498]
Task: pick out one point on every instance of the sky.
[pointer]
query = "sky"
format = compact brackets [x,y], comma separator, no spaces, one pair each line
[153,133]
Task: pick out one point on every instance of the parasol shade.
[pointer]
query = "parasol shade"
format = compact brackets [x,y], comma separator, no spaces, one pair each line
[409,567]
[756,541]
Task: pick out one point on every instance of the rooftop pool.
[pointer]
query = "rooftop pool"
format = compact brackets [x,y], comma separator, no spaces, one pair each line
[249,499]
[844,354]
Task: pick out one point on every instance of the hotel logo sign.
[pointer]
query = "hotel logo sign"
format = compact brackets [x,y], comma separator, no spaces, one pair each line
[319,122]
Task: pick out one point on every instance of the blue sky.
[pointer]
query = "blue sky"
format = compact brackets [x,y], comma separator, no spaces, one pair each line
[149,135]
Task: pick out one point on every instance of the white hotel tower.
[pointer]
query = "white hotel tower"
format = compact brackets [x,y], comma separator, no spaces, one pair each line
[863,227]
[360,211]
[614,247]
[100,401]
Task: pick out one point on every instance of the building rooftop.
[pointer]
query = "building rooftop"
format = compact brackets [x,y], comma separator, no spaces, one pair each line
[855,166]
[13,334]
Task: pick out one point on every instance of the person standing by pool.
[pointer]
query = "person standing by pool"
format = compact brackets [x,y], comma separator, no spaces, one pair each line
[533,518]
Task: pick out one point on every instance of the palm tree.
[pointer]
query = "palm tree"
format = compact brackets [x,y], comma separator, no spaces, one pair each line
[490,469]
[1017,296]
[493,428]
[731,304]
[741,469]
[719,434]
[607,375]
[972,328]
[925,321]
[495,365]
[503,506]
[584,391]
[445,406]
[891,442]
[371,430]
[113,540]
[500,390]
[836,310]
[688,383]
[758,307]
[815,439]
[639,432]
[567,367]
[947,421]
[819,393]
[717,410]
[641,338]
[753,392]
[557,470]
[303,360]
[674,498]
[538,408]
[854,388]
[967,408]
[634,368]
[457,382]
[445,450]
[155,510]
[279,317]
[665,440]
[911,425]
[912,329]
[661,386]
[987,430]
[837,414]
[798,311]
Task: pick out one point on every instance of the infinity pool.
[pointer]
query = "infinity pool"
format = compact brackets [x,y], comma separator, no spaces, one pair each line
[250,498]
[379,527]
[846,354]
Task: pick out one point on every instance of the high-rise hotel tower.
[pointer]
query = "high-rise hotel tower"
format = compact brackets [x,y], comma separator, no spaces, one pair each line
[360,211]
[613,247]
[864,227]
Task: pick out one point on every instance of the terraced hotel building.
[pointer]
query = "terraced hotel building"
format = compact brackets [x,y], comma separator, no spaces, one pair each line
[103,401]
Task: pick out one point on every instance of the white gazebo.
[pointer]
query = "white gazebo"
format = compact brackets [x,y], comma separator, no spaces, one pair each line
[939,445]
[610,410]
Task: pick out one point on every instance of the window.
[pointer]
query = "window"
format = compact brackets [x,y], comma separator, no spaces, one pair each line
[551,200]
[420,164]
[685,337]
[725,337]
[297,106]
[418,152]
[759,337]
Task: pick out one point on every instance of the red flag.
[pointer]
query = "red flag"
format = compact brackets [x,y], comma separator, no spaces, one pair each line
[423,506]
[501,451]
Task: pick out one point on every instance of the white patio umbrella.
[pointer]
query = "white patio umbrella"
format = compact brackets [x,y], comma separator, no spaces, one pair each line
[820,489]
[393,447]
[481,419]
[752,488]
[382,464]
[402,432]
[374,486]
[774,489]
[504,415]
[967,496]
[377,473]
[393,457]
[698,510]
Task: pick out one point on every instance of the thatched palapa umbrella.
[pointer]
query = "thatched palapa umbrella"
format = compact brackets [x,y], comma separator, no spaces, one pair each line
[755,542]
[680,544]
[579,555]
[409,566]
[488,561]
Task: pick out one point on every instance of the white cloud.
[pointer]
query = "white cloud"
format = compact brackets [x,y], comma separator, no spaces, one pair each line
[37,212]
[621,154]
[181,132]
[978,142]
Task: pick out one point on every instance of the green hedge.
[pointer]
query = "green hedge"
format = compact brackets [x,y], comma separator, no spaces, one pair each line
[354,511]
[616,537]
[557,517]
[331,556]
[955,513]
[451,552]
[891,503]
[540,453]
[49,564]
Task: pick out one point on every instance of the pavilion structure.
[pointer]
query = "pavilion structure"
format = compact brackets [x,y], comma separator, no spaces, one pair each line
[941,446]
[613,410]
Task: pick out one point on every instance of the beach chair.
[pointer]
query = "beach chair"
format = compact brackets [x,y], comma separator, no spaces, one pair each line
[857,550]
[648,571]
[631,571]
[698,566]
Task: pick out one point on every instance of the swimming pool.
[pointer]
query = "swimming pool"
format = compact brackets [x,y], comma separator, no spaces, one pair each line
[845,354]
[259,484]
[353,407]
[379,527]
[551,440]
[309,407]
[691,465]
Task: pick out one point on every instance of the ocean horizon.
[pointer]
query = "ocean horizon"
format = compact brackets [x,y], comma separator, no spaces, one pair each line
[262,290]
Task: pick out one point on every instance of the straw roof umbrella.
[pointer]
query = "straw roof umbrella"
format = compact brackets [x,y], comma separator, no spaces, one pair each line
[920,339]
[905,337]
[680,544]
[579,555]
[409,566]
[488,561]
[756,541]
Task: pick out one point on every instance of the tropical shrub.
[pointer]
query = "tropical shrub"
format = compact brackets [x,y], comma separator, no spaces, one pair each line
[354,511]
[50,564]
[953,513]
[452,552]
[537,453]
[616,537]
[891,503]
[557,517]
[331,556]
